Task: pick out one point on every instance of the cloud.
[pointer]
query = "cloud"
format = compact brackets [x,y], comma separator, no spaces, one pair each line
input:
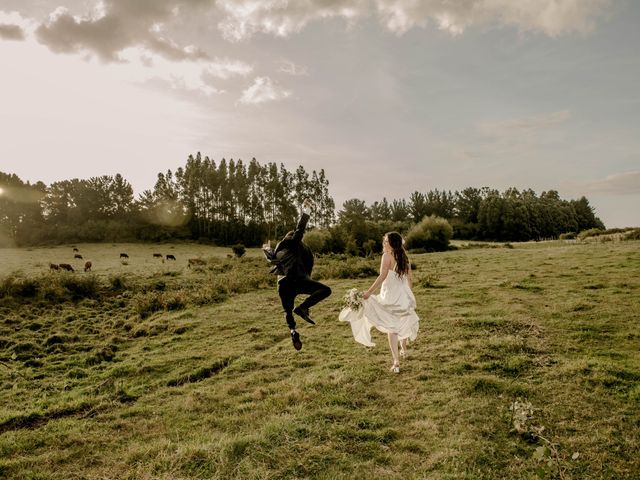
[627,183]
[281,18]
[11,32]
[290,68]
[245,18]
[14,26]
[263,90]
[523,126]
[550,17]
[141,65]
[114,25]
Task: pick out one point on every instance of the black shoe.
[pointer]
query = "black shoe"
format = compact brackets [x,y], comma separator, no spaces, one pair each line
[295,338]
[304,313]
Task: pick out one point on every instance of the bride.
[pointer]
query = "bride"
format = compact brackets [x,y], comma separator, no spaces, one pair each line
[393,310]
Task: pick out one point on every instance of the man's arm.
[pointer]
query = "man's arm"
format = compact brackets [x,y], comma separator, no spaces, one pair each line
[302,223]
[268,252]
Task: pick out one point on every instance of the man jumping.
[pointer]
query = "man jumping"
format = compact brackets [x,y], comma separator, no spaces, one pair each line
[292,261]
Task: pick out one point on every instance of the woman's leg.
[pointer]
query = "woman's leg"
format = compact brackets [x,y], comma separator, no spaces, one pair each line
[403,347]
[393,344]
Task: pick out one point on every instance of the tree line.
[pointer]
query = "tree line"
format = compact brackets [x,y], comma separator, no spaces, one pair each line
[232,202]
[225,202]
[474,214]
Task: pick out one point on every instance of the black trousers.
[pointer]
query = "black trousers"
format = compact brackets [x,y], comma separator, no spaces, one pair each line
[289,288]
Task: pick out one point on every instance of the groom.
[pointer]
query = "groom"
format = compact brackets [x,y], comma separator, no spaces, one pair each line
[292,260]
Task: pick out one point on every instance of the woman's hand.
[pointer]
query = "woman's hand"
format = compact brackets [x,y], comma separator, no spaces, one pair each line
[366,295]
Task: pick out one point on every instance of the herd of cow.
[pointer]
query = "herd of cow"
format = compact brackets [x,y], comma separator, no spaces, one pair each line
[87,265]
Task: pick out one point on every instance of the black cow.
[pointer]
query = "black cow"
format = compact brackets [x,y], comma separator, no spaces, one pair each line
[170,257]
[124,255]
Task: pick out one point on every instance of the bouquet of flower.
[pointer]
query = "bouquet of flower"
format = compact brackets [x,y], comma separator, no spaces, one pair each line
[353,299]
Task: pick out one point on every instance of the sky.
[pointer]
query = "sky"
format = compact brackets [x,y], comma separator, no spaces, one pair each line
[387,96]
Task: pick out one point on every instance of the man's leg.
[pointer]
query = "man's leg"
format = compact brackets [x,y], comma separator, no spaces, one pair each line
[316,291]
[287,293]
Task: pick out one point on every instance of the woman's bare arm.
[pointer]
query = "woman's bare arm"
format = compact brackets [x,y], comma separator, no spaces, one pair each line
[385,265]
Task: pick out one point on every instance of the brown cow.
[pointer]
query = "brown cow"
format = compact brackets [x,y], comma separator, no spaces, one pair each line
[77,255]
[75,249]
[67,267]
[53,266]
[171,257]
[87,266]
[157,255]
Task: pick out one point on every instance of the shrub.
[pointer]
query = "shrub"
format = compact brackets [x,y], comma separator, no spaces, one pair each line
[238,250]
[431,233]
[318,240]
[592,232]
[633,235]
[339,266]
[81,287]
[568,236]
[117,282]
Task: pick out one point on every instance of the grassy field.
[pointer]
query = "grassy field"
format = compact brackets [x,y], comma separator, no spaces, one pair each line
[527,365]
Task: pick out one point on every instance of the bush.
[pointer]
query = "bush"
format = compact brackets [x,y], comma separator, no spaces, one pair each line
[431,233]
[568,236]
[238,250]
[592,232]
[341,266]
[633,235]
[318,240]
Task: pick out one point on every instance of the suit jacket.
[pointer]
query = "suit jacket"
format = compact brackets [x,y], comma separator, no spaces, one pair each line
[292,258]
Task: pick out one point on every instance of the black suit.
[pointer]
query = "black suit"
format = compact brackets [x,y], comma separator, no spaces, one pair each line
[293,262]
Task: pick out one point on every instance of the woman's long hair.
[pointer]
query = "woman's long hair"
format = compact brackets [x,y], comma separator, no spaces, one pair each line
[399,253]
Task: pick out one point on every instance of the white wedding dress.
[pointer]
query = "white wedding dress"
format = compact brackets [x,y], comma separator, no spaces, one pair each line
[393,311]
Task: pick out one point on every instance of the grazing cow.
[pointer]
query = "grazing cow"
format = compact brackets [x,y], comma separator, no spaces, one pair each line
[67,267]
[124,255]
[170,257]
[157,255]
[195,261]
[53,266]
[87,266]
[75,249]
[77,255]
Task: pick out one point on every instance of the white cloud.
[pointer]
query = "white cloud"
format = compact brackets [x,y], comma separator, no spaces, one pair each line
[281,18]
[115,25]
[141,65]
[523,126]
[290,68]
[25,25]
[551,17]
[244,18]
[627,183]
[263,90]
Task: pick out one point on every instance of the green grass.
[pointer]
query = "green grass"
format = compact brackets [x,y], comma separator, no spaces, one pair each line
[90,388]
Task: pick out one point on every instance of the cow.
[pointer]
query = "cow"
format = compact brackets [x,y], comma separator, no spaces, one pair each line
[67,267]
[157,255]
[75,249]
[87,266]
[77,255]
[195,261]
[53,266]
[124,255]
[170,257]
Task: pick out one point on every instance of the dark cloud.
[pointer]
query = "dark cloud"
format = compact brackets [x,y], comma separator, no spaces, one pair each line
[11,32]
[120,24]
